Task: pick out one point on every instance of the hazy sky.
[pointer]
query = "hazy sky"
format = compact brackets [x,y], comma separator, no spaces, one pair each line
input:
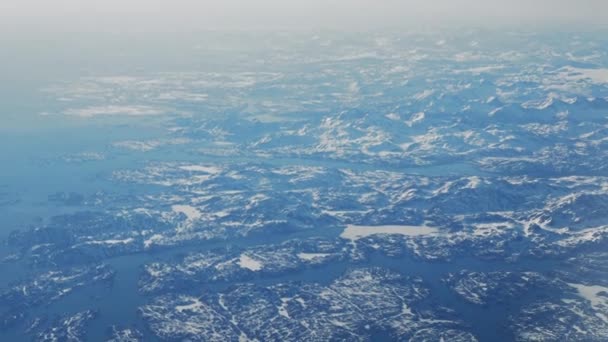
[161,15]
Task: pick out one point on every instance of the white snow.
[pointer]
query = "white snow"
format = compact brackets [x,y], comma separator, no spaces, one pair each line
[354,232]
[393,116]
[141,146]
[157,270]
[153,239]
[417,117]
[573,74]
[247,262]
[111,242]
[311,256]
[406,310]
[283,308]
[194,306]
[479,70]
[344,213]
[474,182]
[191,212]
[353,87]
[542,103]
[424,94]
[201,168]
[495,228]
[89,112]
[301,301]
[591,293]
[148,145]
[244,338]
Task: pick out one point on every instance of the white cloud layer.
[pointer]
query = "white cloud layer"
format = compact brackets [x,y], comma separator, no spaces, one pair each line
[162,15]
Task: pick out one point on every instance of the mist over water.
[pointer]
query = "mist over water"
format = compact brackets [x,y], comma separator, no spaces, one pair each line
[187,15]
[303,170]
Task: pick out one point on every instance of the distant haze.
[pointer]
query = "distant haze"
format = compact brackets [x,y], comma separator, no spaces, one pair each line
[177,15]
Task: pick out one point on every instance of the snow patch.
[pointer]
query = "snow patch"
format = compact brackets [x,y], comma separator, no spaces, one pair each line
[354,232]
[194,306]
[201,168]
[191,212]
[111,242]
[393,116]
[573,74]
[592,294]
[89,112]
[247,262]
[415,119]
[312,256]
